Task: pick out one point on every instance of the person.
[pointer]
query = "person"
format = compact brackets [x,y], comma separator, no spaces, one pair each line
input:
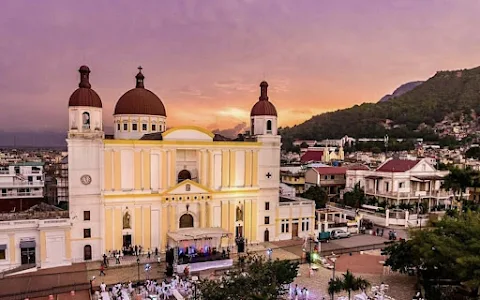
[156,251]
[105,261]
[102,270]
[103,287]
[148,254]
[136,250]
[117,258]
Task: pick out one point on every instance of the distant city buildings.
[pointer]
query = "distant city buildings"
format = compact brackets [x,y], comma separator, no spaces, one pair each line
[21,186]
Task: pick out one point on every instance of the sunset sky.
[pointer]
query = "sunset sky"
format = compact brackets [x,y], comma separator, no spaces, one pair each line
[206,58]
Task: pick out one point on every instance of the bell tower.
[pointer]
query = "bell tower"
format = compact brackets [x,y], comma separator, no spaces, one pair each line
[85,176]
[263,119]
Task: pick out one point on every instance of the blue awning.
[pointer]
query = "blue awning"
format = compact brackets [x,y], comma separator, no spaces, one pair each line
[27,244]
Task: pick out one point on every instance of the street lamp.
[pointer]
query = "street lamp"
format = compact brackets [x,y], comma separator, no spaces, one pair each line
[333,259]
[138,268]
[195,280]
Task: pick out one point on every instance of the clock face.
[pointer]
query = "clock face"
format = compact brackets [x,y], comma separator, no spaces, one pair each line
[86,179]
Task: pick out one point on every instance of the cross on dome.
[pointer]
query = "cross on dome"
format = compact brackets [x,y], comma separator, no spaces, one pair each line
[140,78]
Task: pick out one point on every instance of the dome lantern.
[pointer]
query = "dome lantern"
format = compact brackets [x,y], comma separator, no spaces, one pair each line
[263,107]
[84,95]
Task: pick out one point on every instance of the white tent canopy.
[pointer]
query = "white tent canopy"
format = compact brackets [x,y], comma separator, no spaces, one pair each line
[188,234]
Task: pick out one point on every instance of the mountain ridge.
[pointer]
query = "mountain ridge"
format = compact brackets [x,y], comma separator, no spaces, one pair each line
[404,88]
[412,114]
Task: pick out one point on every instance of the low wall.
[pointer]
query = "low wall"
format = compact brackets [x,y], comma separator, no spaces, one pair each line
[206,265]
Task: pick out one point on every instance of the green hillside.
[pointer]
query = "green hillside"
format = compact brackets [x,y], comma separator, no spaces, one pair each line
[411,115]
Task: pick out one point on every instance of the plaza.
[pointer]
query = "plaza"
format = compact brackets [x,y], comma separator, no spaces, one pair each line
[62,280]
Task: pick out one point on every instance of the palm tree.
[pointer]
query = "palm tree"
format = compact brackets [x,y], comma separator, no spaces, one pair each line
[457,181]
[335,285]
[351,283]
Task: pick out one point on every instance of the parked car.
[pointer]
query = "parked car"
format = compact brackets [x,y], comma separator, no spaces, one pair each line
[339,234]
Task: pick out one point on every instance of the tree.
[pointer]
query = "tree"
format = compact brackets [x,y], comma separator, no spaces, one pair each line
[335,285]
[304,145]
[348,283]
[355,198]
[351,283]
[258,279]
[318,194]
[446,254]
[457,181]
[473,152]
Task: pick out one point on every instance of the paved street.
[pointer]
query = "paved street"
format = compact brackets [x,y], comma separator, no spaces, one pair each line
[360,240]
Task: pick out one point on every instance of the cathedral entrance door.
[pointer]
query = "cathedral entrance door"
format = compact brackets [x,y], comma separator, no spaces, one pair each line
[27,256]
[239,231]
[266,236]
[294,230]
[127,240]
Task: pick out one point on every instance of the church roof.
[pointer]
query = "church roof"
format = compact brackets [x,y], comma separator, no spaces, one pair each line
[156,136]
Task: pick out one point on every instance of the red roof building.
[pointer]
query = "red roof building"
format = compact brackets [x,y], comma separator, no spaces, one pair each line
[312,156]
[330,178]
[397,165]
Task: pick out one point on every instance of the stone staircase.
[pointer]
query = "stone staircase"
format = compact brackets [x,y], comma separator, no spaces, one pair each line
[16,269]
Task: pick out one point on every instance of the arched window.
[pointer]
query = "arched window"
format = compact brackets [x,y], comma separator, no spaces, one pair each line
[87,252]
[269,126]
[186,221]
[253,127]
[183,175]
[86,120]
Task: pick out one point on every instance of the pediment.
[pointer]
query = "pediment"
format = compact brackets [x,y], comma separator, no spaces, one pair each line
[188,133]
[188,187]
[423,166]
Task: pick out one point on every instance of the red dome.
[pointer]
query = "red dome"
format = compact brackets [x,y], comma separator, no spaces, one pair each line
[263,107]
[84,95]
[140,101]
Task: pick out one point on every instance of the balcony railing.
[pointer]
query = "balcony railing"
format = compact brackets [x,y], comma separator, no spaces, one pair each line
[22,183]
[22,194]
[41,215]
[411,194]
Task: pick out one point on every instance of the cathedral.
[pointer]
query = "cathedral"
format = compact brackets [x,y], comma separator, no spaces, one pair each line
[158,186]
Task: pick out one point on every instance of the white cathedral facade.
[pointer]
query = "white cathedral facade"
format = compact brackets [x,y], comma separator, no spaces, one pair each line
[150,185]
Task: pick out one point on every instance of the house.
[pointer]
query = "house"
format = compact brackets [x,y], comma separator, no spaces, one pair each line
[322,154]
[403,181]
[295,180]
[330,178]
[21,186]
[287,191]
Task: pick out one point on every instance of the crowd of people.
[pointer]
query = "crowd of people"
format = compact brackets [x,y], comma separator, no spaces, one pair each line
[297,293]
[173,288]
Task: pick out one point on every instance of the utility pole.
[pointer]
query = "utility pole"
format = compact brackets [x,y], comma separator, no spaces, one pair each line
[385,141]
